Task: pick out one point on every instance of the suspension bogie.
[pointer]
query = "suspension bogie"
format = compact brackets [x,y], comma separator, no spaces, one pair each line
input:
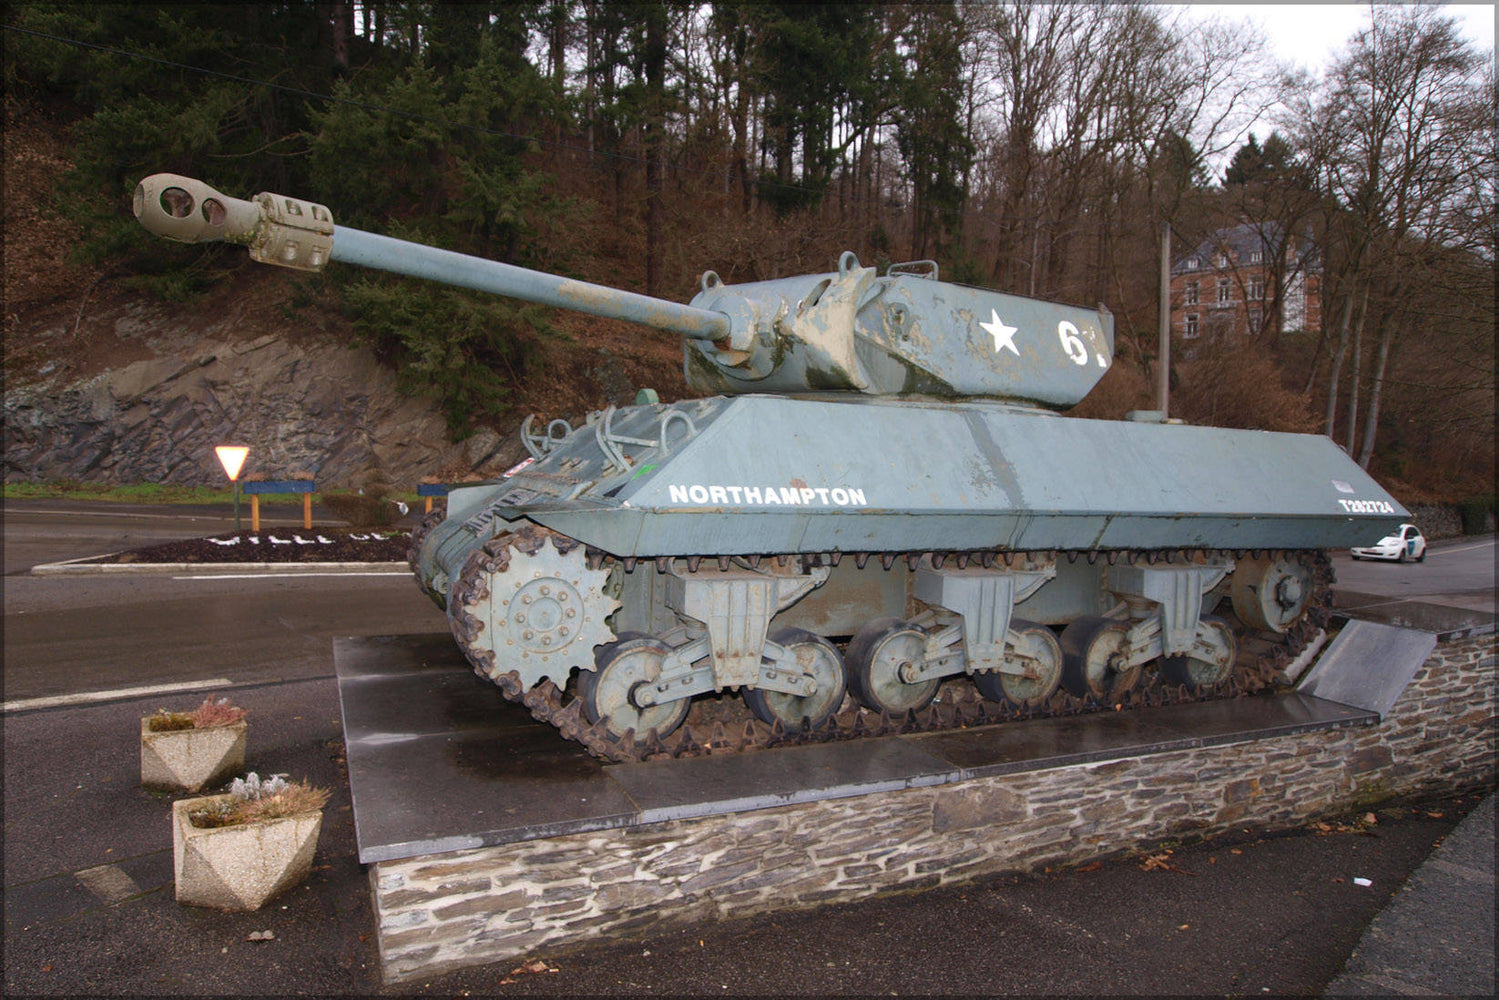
[808,639]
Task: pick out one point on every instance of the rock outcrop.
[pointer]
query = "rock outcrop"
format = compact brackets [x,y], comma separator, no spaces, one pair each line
[300,404]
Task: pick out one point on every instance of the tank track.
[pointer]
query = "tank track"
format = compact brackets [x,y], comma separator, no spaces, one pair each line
[413,553]
[723,724]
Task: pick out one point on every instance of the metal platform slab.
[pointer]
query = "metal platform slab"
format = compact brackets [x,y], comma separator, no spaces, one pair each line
[1343,673]
[439,761]
[1447,624]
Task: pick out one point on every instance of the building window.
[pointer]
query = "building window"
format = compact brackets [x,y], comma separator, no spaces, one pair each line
[1191,326]
[1191,293]
[1193,263]
[1256,256]
[1257,289]
[1256,319]
[1222,260]
[1223,298]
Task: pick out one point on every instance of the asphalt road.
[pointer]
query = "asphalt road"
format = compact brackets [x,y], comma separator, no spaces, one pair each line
[78,634]
[87,856]
[1458,572]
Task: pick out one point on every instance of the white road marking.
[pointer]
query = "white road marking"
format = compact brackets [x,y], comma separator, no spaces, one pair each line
[118,694]
[1459,548]
[281,576]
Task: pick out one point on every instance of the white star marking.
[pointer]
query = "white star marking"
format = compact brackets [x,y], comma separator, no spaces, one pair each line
[1004,336]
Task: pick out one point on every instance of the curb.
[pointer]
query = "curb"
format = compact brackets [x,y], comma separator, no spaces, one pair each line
[82,567]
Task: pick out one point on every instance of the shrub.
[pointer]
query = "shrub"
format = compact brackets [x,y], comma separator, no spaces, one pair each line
[463,350]
[1475,512]
[216,713]
[1239,386]
[251,799]
[211,713]
[360,510]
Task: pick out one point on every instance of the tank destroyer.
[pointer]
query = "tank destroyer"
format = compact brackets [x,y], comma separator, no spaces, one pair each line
[875,518]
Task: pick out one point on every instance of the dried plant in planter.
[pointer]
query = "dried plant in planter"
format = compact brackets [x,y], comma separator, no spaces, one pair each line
[237,850]
[211,713]
[190,751]
[250,799]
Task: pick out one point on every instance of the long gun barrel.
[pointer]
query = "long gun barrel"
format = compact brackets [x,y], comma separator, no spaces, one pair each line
[902,334]
[301,234]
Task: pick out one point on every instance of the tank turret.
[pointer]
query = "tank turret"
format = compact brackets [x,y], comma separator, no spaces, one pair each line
[851,330]
[869,510]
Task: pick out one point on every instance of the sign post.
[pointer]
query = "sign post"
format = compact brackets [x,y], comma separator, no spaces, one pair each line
[232,458]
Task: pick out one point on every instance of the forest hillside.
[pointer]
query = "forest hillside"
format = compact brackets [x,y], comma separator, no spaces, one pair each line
[1039,149]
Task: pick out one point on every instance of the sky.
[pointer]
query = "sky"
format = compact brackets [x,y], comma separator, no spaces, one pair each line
[1308,34]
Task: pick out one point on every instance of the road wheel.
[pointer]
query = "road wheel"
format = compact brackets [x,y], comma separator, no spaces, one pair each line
[1046,661]
[1093,660]
[875,657]
[1195,672]
[608,690]
[817,657]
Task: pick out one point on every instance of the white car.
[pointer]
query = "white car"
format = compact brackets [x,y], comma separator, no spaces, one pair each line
[1407,543]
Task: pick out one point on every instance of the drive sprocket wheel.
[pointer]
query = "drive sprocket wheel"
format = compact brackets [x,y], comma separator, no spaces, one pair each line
[528,603]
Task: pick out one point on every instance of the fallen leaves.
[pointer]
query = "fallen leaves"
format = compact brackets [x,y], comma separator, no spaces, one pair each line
[535,967]
[1359,825]
[1162,863]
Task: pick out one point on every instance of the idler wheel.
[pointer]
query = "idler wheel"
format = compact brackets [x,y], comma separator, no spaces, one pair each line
[873,665]
[1021,690]
[1201,668]
[817,657]
[608,691]
[1270,593]
[1093,659]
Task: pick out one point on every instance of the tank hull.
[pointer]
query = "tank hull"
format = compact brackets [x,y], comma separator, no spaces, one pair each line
[798,549]
[764,474]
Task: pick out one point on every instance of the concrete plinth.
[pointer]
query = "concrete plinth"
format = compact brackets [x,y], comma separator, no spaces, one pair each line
[489,837]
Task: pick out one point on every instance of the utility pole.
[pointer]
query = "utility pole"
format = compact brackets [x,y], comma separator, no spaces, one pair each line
[1163,353]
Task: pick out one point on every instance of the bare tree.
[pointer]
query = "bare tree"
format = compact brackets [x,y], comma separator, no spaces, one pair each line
[1397,121]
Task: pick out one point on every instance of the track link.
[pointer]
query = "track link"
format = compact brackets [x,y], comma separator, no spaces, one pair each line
[722,724]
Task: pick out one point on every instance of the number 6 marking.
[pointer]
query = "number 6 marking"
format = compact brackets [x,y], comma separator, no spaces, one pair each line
[1072,343]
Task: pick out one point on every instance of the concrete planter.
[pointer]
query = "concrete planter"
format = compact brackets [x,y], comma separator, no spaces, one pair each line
[189,760]
[240,867]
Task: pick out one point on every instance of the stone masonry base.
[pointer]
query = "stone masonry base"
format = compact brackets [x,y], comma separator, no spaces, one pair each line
[441,912]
